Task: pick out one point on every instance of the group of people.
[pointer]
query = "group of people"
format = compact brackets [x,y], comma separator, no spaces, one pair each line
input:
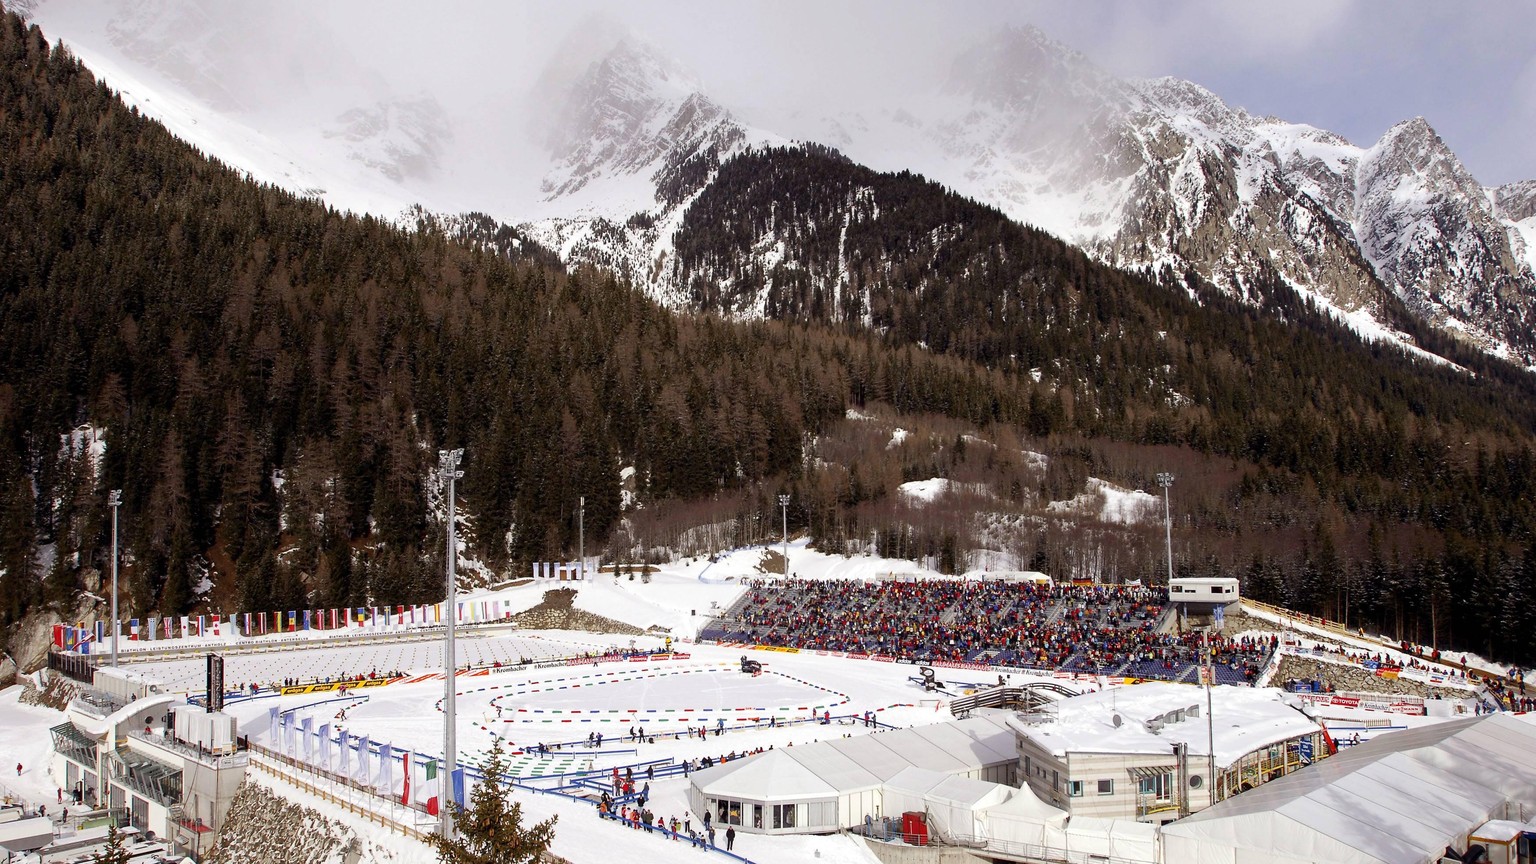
[1084,628]
[640,817]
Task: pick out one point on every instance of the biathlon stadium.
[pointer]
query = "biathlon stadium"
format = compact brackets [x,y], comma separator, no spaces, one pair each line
[860,711]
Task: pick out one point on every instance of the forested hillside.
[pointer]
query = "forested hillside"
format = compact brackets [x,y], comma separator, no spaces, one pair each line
[1410,459]
[273,379]
[272,375]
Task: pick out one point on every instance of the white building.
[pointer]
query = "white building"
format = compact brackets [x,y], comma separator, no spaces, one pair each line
[1217,591]
[169,767]
[1143,752]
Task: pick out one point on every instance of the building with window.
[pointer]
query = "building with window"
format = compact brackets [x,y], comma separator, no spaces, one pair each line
[1144,752]
[169,768]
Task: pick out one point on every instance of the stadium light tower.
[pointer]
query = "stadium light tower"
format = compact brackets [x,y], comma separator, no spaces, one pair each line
[114,500]
[581,537]
[1164,479]
[784,509]
[448,465]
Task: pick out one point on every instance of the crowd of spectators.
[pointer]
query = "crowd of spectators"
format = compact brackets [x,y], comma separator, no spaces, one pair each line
[1096,629]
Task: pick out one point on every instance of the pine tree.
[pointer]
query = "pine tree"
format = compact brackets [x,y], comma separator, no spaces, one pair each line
[491,830]
[113,852]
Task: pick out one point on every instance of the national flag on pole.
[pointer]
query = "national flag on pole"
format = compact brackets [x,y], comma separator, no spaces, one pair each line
[216,621]
[133,629]
[460,611]
[362,759]
[429,788]
[405,771]
[384,782]
[293,620]
[58,636]
[170,626]
[335,618]
[202,624]
[101,631]
[151,628]
[458,786]
[306,619]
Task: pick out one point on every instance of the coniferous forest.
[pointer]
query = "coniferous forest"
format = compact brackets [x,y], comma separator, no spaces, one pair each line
[273,380]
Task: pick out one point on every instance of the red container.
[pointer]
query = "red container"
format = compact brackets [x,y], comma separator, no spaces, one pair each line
[914,828]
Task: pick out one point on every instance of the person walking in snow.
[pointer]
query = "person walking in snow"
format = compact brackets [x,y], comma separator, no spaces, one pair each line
[730,837]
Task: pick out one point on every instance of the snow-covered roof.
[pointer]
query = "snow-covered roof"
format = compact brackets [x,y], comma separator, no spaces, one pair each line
[845,765]
[1397,799]
[1246,719]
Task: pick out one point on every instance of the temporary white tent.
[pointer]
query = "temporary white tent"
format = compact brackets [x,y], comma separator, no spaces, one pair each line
[1023,819]
[1122,839]
[955,805]
[1397,799]
[850,773]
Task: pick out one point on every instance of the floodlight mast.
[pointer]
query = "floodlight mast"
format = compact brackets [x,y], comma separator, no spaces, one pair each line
[784,510]
[448,465]
[114,500]
[1164,479]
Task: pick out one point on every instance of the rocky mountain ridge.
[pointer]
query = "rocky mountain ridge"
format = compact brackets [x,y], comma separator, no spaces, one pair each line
[1157,175]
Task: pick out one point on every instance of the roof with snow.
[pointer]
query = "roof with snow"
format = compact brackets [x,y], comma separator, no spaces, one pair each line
[831,768]
[1397,799]
[1246,719]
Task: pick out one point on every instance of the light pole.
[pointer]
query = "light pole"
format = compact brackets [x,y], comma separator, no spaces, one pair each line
[784,508]
[114,500]
[1164,479]
[581,536]
[448,464]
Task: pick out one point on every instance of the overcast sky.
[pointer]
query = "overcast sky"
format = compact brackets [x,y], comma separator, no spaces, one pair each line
[1350,66]
[1355,68]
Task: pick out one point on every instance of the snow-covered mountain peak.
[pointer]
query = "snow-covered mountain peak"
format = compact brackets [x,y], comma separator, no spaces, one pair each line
[1024,72]
[629,107]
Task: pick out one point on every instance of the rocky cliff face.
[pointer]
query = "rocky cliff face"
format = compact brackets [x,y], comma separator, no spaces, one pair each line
[1434,234]
[636,141]
[1159,176]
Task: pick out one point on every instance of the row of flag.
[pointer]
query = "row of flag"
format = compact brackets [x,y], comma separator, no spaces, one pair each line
[79,637]
[418,783]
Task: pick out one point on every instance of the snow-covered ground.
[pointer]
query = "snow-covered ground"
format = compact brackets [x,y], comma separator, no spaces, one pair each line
[563,701]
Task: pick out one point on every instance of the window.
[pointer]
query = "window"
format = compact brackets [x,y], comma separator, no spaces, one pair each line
[1075,788]
[1159,787]
[1029,768]
[728,812]
[784,815]
[757,816]
[1106,787]
[1055,780]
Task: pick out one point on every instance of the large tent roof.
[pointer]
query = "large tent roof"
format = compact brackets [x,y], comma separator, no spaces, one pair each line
[1398,799]
[847,765]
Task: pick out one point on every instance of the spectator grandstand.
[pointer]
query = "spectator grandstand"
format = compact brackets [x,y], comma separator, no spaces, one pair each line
[1117,630]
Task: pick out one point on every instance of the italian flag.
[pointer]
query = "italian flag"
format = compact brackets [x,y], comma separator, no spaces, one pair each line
[405,765]
[429,788]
